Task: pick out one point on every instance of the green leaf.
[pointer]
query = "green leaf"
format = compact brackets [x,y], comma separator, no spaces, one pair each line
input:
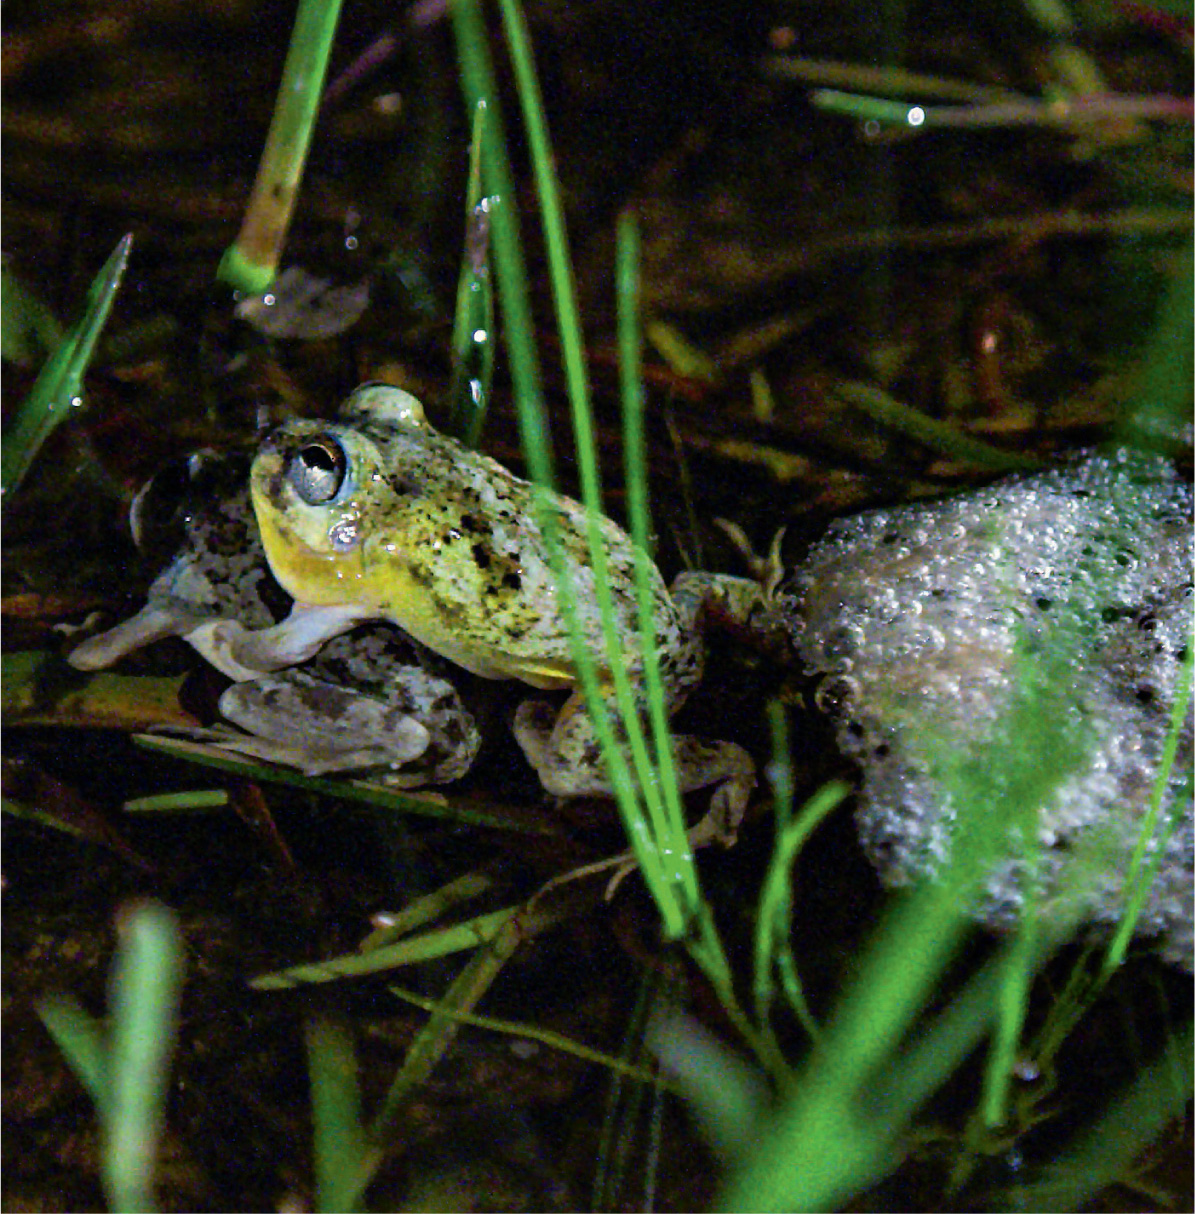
[59,387]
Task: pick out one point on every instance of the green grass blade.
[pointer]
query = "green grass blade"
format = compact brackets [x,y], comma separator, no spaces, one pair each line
[939,436]
[192,801]
[727,1095]
[473,335]
[1141,870]
[1013,1006]
[441,943]
[144,995]
[82,1039]
[462,996]
[29,330]
[1162,395]
[251,261]
[527,1032]
[773,924]
[655,838]
[59,387]
[428,908]
[477,83]
[346,790]
[820,1147]
[340,1141]
[670,826]
[1105,1152]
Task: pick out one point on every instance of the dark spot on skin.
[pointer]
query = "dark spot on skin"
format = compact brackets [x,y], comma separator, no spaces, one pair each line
[511,580]
[481,555]
[469,523]
[448,612]
[405,486]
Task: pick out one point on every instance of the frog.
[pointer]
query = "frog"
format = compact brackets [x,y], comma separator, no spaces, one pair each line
[377,516]
[372,702]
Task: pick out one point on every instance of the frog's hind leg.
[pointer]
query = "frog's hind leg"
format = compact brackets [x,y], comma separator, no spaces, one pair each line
[319,727]
[565,751]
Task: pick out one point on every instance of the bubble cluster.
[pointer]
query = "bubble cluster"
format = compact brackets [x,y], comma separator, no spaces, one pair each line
[927,624]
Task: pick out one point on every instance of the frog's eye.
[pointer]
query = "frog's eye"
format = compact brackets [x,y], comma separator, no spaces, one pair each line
[318,470]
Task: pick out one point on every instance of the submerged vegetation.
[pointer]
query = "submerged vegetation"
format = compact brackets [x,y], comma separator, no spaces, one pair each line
[835,1045]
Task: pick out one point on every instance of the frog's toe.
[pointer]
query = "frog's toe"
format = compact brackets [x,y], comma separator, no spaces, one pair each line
[731,768]
[106,648]
[533,725]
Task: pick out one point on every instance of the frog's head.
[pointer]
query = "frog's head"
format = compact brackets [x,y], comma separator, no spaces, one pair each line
[318,490]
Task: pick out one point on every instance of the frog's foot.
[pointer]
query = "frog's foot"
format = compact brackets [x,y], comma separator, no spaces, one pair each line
[751,606]
[318,727]
[243,654]
[149,624]
[700,764]
[767,571]
[532,728]
[565,752]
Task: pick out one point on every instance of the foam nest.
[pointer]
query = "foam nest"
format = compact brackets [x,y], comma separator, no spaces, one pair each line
[1039,624]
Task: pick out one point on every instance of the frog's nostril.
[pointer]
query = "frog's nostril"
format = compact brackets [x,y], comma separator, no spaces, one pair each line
[318,470]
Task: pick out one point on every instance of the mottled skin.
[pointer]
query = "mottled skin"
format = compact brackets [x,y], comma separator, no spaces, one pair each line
[370,701]
[376,516]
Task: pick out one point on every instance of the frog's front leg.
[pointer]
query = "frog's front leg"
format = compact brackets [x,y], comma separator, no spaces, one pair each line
[564,749]
[242,653]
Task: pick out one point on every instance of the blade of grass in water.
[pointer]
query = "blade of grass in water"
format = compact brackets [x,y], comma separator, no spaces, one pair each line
[477,84]
[1162,392]
[577,379]
[126,1065]
[773,924]
[435,1038]
[473,322]
[251,261]
[668,829]
[1142,871]
[1104,1154]
[439,943]
[820,1148]
[477,80]
[935,434]
[59,387]
[348,790]
[82,1040]
[630,359]
[143,999]
[339,1138]
[427,909]
[29,330]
